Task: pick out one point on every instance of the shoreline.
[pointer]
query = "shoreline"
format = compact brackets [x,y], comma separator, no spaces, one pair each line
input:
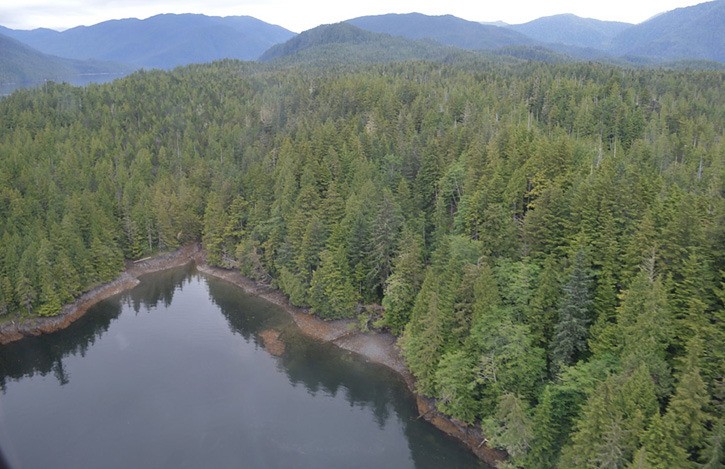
[30,327]
[380,348]
[376,347]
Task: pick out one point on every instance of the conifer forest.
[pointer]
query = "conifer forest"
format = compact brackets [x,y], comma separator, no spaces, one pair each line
[546,240]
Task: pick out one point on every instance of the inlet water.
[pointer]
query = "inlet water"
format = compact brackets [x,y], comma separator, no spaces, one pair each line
[174,374]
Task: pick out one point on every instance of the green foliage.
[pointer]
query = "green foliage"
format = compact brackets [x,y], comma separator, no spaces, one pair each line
[510,428]
[402,286]
[424,337]
[293,287]
[661,449]
[687,410]
[331,294]
[546,239]
[613,422]
[575,315]
[456,387]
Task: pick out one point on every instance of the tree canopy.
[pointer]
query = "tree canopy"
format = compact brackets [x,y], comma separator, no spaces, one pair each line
[547,240]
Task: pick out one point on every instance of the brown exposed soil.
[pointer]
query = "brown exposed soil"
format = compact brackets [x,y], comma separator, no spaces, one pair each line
[271,341]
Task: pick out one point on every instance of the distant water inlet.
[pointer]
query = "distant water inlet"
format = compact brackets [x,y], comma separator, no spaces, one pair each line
[188,371]
[77,80]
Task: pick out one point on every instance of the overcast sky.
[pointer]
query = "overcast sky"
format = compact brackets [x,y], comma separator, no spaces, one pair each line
[299,15]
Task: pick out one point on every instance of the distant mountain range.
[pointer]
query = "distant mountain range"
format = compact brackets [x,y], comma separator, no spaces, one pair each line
[21,64]
[689,34]
[692,33]
[696,32]
[572,30]
[447,30]
[163,41]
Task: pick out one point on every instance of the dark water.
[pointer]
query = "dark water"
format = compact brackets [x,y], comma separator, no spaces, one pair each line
[173,374]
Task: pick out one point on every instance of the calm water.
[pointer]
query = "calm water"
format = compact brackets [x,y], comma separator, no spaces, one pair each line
[173,374]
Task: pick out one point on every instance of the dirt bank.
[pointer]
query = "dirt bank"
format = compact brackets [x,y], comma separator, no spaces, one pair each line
[376,347]
[15,330]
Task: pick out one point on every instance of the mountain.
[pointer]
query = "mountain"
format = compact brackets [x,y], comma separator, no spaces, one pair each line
[571,30]
[21,64]
[448,30]
[32,36]
[162,41]
[696,32]
[344,43]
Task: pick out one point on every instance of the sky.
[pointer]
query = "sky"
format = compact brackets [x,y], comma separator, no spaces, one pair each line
[299,15]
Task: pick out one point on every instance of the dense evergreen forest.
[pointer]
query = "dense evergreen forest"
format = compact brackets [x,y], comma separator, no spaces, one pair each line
[548,241]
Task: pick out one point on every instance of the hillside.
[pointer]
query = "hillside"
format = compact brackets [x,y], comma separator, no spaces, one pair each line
[696,32]
[448,30]
[20,65]
[163,41]
[343,43]
[571,30]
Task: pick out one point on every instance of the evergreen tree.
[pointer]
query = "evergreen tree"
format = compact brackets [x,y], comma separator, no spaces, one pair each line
[511,427]
[424,336]
[331,294]
[713,455]
[686,412]
[214,223]
[644,328]
[661,448]
[455,387]
[612,422]
[575,315]
[402,286]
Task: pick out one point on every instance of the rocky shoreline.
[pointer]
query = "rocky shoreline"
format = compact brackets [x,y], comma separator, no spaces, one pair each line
[377,347]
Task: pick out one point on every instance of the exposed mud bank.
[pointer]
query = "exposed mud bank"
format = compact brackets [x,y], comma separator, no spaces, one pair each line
[376,347]
[16,330]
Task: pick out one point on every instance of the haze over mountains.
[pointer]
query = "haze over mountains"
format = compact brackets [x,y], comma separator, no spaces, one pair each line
[571,30]
[446,29]
[20,63]
[165,41]
[695,32]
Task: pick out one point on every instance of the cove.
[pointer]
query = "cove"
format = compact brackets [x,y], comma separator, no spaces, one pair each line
[175,373]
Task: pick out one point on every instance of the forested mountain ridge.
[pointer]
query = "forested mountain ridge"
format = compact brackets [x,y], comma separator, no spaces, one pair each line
[687,35]
[343,43]
[162,41]
[22,64]
[547,240]
[446,29]
[691,33]
[696,32]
